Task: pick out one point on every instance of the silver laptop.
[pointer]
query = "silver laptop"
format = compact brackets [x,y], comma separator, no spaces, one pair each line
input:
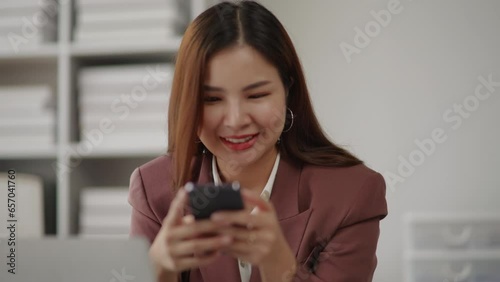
[75,260]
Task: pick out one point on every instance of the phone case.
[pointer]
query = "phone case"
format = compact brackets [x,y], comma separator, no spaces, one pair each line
[208,198]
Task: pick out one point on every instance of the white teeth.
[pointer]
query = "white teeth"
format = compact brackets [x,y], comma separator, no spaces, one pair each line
[232,140]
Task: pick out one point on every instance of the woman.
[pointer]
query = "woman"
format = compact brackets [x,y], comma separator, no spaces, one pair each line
[240,111]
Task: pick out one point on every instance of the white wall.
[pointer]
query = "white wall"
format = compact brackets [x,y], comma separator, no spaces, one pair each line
[397,89]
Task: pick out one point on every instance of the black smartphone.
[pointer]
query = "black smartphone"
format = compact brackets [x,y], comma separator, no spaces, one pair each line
[208,198]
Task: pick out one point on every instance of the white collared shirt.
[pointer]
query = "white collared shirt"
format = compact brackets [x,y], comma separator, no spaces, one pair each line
[246,268]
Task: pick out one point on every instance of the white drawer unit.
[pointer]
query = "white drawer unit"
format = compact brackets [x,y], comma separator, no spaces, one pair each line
[452,247]
[450,232]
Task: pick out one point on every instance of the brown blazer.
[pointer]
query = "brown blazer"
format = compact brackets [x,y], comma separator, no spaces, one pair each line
[329,216]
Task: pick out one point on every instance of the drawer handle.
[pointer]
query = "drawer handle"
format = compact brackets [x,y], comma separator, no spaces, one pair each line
[457,276]
[456,239]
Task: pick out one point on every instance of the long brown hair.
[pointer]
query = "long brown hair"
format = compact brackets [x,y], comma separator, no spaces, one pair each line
[222,26]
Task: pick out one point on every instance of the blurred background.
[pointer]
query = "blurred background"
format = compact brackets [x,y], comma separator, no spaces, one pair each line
[411,87]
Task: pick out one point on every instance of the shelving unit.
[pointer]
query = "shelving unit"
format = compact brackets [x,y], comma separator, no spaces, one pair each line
[49,51]
[158,48]
[64,171]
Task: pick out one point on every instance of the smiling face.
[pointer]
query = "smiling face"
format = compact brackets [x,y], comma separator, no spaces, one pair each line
[244,108]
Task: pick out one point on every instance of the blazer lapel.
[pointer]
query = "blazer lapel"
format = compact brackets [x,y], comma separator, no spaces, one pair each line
[285,198]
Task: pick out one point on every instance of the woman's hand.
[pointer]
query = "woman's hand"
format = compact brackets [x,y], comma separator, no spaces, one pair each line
[257,237]
[182,243]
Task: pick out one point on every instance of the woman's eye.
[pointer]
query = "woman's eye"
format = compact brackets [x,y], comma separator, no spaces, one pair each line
[255,96]
[211,99]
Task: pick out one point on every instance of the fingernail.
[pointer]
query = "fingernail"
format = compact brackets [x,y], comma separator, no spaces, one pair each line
[188,187]
[217,217]
[188,219]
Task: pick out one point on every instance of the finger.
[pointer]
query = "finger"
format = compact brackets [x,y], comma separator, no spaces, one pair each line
[247,236]
[199,246]
[197,261]
[188,219]
[245,251]
[248,206]
[192,230]
[228,218]
[251,242]
[176,210]
[241,218]
[254,200]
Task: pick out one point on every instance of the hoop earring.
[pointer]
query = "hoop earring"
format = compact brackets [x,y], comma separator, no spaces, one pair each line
[292,117]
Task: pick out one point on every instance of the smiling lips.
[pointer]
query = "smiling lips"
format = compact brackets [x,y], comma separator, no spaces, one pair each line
[240,142]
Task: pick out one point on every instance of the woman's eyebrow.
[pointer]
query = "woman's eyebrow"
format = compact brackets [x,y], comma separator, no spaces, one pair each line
[246,88]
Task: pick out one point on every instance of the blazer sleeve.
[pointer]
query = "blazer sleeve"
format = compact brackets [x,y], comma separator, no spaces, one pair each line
[349,256]
[143,223]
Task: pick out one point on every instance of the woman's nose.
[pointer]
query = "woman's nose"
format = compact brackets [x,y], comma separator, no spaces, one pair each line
[236,116]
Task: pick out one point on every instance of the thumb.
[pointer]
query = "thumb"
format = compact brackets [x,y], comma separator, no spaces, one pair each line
[253,200]
[176,210]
